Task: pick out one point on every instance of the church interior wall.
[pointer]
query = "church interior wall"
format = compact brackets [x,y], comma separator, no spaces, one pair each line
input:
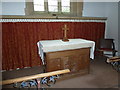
[105,9]
[90,9]
[119,29]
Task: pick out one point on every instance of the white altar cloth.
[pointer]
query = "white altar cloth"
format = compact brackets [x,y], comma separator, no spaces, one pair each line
[59,45]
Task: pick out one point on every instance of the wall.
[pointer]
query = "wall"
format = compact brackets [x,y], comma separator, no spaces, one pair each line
[119,29]
[112,22]
[0,8]
[90,8]
[13,8]
[0,54]
[105,9]
[94,9]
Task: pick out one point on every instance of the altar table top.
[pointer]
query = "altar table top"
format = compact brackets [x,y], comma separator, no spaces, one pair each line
[59,45]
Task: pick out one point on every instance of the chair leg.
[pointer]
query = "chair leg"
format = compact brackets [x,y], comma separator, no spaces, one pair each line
[114,53]
[101,53]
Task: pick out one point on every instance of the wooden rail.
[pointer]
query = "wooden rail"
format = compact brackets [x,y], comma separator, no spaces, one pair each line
[10,81]
[113,59]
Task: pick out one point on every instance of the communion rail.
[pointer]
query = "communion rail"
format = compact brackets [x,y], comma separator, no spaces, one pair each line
[34,77]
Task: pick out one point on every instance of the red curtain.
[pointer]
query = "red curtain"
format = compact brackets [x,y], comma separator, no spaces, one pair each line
[19,39]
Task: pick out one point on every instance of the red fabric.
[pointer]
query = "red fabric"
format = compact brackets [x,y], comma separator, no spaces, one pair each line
[19,39]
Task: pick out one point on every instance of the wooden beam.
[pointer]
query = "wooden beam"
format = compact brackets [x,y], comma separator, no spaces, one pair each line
[10,81]
[40,17]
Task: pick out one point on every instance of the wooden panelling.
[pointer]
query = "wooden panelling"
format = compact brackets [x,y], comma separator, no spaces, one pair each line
[75,60]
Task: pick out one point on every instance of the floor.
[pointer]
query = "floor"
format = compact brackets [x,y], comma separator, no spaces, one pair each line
[101,75]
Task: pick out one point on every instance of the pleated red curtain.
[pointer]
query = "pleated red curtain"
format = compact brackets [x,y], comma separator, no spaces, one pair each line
[19,39]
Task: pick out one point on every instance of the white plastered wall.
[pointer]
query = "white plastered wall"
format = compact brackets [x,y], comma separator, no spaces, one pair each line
[105,9]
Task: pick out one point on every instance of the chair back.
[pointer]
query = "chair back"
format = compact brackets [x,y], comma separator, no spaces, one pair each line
[107,44]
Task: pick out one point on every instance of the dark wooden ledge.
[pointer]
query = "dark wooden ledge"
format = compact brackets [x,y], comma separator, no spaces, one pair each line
[39,17]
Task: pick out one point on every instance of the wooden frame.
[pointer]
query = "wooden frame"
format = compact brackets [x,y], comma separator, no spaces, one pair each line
[76,9]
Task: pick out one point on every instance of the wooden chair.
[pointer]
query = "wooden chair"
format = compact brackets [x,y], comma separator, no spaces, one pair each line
[108,46]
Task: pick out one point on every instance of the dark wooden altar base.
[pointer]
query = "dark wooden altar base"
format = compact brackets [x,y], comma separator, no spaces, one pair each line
[76,60]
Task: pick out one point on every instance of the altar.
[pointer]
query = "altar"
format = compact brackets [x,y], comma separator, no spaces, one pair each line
[74,55]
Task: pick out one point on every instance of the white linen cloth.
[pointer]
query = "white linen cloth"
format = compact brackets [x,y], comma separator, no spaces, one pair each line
[59,45]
